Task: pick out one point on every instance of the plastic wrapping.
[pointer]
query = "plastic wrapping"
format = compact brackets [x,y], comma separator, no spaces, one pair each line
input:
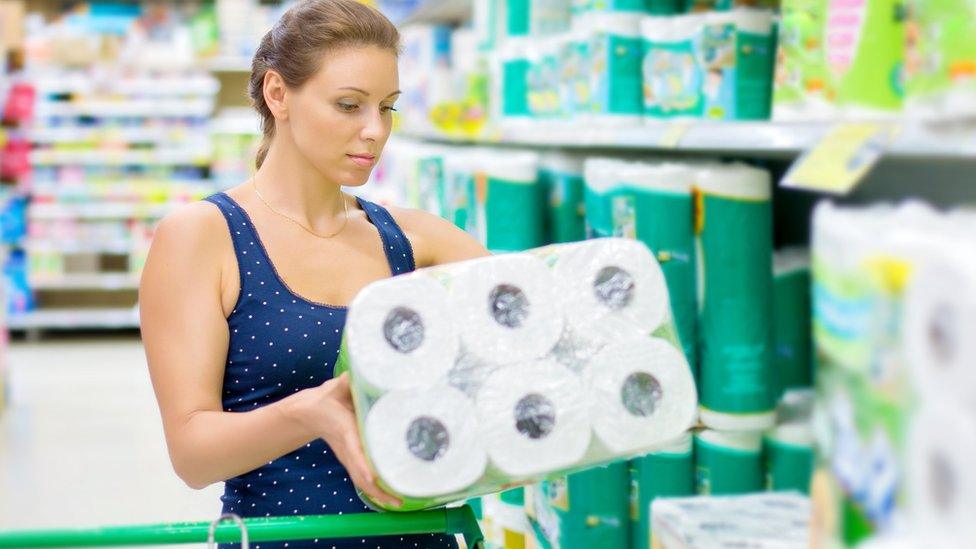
[758,521]
[581,368]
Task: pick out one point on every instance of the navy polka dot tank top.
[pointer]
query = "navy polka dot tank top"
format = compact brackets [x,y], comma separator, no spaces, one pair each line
[281,343]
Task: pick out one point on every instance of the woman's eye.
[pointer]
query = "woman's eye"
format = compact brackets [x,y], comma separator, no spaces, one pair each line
[347,107]
[388,109]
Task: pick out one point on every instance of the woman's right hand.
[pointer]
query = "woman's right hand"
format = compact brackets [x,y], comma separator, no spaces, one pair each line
[332,416]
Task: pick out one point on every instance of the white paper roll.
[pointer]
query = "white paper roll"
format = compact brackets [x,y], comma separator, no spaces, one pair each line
[941,477]
[533,419]
[940,326]
[400,333]
[507,307]
[641,394]
[425,443]
[613,284]
[735,180]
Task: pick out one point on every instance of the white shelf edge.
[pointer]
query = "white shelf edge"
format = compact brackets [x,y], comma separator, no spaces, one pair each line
[74,319]
[94,281]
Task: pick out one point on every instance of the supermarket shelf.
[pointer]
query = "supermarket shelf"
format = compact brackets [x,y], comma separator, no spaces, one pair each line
[152,87]
[122,157]
[756,138]
[439,11]
[154,108]
[74,319]
[44,135]
[88,246]
[100,210]
[86,281]
[228,64]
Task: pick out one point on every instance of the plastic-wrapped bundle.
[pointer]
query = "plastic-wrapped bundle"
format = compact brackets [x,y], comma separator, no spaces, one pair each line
[668,471]
[788,447]
[792,344]
[552,361]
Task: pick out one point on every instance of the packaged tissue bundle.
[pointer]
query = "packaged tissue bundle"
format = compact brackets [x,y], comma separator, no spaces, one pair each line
[888,282]
[803,86]
[940,58]
[485,374]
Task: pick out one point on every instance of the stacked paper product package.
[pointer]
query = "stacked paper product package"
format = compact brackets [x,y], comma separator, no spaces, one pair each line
[894,320]
[478,376]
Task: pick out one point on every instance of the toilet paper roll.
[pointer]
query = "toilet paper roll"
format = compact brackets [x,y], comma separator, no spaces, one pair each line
[939,326]
[728,462]
[614,284]
[941,479]
[789,457]
[400,333]
[425,443]
[641,394]
[792,343]
[616,55]
[513,201]
[507,307]
[533,419]
[668,471]
[601,184]
[562,175]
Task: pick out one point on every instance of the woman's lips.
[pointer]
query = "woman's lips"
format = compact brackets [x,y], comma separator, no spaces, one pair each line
[362,160]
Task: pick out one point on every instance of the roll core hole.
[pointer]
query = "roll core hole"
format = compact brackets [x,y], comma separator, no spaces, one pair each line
[508,305]
[641,394]
[535,416]
[427,438]
[404,329]
[614,287]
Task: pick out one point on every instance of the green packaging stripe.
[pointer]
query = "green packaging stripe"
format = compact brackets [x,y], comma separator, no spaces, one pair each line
[515,215]
[673,80]
[654,476]
[735,246]
[519,15]
[720,470]
[619,5]
[664,7]
[788,466]
[617,74]
[599,213]
[566,222]
[591,507]
[515,90]
[865,47]
[664,223]
[515,496]
[743,81]
[792,330]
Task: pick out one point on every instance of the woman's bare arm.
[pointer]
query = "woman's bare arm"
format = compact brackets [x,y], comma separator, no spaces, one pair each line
[186,337]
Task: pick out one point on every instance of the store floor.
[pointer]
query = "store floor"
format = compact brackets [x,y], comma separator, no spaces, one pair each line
[81,443]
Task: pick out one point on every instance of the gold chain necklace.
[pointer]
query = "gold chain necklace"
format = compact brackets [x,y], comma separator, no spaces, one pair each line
[345,211]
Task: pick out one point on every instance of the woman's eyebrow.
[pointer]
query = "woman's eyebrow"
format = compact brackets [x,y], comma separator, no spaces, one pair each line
[366,93]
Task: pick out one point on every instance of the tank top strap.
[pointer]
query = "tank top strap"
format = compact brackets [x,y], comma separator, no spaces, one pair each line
[399,252]
[257,272]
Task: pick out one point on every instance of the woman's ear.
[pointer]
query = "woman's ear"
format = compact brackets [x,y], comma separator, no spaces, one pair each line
[275,93]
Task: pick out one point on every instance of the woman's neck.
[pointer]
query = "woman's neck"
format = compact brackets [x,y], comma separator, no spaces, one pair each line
[295,188]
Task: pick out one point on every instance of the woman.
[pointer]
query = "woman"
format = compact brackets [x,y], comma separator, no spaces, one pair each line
[243,295]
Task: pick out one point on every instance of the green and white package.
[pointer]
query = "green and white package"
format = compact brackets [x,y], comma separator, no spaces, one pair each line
[573,363]
[792,328]
[601,183]
[536,17]
[505,524]
[655,207]
[803,86]
[672,75]
[666,472]
[615,71]
[940,58]
[543,78]
[864,42]
[733,224]
[562,176]
[735,50]
[460,168]
[728,462]
[581,510]
[575,94]
[511,200]
[513,63]
[789,457]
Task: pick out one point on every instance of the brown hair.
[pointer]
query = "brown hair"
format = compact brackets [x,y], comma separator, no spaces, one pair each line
[295,44]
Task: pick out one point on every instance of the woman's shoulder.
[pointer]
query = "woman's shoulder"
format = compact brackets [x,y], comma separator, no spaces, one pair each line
[197,228]
[435,240]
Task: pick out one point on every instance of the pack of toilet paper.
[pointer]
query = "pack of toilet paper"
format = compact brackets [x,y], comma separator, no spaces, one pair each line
[476,376]
[894,301]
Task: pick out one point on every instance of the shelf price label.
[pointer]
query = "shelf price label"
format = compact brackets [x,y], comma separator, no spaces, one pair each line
[841,158]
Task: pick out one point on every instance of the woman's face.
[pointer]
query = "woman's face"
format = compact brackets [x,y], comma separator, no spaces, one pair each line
[341,118]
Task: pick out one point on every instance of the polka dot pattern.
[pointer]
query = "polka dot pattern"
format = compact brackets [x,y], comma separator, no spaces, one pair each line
[281,343]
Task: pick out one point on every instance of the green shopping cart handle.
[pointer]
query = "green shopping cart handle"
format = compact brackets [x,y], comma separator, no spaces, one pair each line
[455,520]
